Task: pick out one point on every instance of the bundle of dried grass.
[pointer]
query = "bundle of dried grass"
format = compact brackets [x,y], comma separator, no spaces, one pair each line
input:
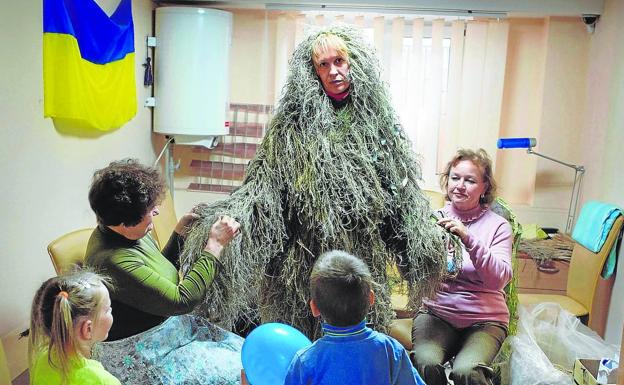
[558,247]
[324,178]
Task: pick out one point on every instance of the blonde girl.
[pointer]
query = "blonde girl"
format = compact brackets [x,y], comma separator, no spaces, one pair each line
[70,313]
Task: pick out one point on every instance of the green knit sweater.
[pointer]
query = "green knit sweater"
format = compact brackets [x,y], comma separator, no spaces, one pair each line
[146,285]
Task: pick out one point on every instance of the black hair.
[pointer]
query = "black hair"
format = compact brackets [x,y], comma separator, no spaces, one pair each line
[124,191]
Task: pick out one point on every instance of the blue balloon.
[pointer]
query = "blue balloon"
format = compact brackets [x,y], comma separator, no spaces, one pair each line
[268,350]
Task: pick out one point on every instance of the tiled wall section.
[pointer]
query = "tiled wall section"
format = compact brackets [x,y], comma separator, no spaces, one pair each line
[222,169]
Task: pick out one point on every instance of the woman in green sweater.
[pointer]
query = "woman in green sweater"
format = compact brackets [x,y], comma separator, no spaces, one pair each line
[154,339]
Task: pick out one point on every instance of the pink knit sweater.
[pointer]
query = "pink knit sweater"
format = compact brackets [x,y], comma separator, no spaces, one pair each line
[476,294]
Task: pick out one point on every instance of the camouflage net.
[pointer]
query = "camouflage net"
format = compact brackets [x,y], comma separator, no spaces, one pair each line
[324,178]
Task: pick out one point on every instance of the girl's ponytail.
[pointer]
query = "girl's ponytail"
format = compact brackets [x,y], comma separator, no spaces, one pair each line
[62,339]
[57,306]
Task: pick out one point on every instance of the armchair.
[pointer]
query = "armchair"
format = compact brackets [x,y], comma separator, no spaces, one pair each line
[585,291]
[69,250]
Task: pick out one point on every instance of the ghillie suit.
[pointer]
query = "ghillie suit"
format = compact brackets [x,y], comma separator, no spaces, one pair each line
[324,178]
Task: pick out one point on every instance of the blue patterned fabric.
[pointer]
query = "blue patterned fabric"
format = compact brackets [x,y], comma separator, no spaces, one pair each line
[184,349]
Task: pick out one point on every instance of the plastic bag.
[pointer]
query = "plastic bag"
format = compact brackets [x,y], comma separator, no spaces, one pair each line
[530,366]
[548,341]
[562,337]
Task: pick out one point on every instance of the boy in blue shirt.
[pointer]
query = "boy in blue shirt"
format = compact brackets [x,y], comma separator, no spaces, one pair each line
[349,352]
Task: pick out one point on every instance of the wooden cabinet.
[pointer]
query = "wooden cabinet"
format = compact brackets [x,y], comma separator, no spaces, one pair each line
[532,280]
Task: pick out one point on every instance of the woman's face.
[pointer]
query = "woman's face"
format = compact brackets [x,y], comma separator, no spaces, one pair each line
[139,230]
[465,185]
[332,68]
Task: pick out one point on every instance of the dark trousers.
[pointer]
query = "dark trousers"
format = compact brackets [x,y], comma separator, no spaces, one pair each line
[474,348]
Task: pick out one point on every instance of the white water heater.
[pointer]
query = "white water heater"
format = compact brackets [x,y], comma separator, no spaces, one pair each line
[191,74]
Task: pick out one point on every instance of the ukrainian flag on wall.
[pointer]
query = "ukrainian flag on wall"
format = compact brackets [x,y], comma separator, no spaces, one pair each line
[88,63]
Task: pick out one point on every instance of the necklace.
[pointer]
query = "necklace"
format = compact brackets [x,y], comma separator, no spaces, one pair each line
[468,216]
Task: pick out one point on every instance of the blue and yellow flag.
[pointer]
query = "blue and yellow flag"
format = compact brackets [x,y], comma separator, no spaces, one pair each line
[88,63]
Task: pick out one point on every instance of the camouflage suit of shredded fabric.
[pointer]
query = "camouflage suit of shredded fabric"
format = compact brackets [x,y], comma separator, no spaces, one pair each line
[323,178]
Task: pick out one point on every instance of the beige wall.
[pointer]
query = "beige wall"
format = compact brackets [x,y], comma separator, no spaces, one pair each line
[544,98]
[45,174]
[522,106]
[562,108]
[253,50]
[603,137]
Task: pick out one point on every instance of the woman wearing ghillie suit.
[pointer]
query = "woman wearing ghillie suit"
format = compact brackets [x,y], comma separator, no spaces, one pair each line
[334,171]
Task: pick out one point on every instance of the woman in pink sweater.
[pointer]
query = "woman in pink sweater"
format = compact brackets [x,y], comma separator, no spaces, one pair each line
[468,317]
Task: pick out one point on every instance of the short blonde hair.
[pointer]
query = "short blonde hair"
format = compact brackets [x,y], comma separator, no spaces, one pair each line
[326,41]
[479,158]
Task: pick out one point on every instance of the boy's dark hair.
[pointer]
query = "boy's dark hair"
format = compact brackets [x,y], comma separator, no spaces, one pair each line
[124,191]
[340,284]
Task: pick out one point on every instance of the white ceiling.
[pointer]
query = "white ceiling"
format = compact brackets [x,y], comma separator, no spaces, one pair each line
[509,7]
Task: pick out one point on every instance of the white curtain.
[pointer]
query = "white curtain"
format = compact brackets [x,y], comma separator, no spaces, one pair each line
[445,77]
